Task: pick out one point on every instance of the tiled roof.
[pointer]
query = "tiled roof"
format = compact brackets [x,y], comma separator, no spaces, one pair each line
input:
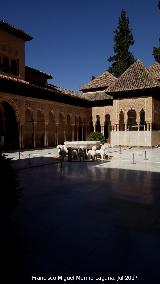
[24,82]
[47,87]
[92,96]
[67,92]
[101,81]
[48,76]
[155,70]
[14,30]
[97,96]
[136,77]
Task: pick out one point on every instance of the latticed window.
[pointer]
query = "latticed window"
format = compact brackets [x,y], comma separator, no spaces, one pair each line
[13,69]
[6,65]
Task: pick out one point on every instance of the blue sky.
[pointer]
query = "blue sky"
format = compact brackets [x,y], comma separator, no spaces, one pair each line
[74,38]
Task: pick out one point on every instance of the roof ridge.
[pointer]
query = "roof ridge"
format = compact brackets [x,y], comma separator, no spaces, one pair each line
[137,76]
[101,81]
[13,29]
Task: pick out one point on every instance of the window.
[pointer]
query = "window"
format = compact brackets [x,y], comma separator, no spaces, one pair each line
[6,65]
[13,69]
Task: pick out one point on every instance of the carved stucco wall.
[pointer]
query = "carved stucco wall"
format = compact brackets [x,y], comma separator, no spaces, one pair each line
[124,105]
[21,104]
[136,104]
[102,112]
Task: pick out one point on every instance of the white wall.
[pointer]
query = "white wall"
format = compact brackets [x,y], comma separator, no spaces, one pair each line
[133,138]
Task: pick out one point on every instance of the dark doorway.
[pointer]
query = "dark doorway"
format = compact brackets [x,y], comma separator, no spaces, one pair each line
[107,126]
[142,120]
[28,131]
[131,123]
[98,124]
[51,130]
[8,127]
[121,121]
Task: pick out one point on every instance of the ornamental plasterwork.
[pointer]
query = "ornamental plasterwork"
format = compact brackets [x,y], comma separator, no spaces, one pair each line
[149,109]
[128,104]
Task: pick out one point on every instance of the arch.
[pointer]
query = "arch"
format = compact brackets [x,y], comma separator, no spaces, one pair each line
[51,130]
[9,134]
[84,129]
[131,122]
[91,127]
[68,129]
[13,105]
[76,129]
[28,130]
[142,120]
[107,126]
[80,129]
[6,64]
[40,129]
[98,124]
[61,129]
[121,121]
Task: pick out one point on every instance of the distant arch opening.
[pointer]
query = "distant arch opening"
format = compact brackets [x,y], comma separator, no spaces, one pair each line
[131,122]
[142,120]
[80,129]
[40,129]
[68,129]
[28,130]
[61,129]
[107,126]
[9,134]
[51,130]
[121,121]
[90,125]
[98,124]
[76,129]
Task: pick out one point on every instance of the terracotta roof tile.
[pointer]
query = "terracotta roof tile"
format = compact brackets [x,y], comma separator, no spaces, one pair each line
[48,76]
[14,30]
[68,92]
[101,81]
[92,96]
[136,77]
[155,70]
[97,96]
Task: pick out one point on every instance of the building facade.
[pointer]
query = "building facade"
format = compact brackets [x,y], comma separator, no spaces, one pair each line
[130,115]
[36,114]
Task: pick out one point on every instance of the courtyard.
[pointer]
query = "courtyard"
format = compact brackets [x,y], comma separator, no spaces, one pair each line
[86,219]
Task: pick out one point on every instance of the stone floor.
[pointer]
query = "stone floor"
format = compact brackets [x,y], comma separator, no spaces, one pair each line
[91,219]
[140,159]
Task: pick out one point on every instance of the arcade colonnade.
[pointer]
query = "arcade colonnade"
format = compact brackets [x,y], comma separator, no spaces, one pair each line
[33,123]
[133,114]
